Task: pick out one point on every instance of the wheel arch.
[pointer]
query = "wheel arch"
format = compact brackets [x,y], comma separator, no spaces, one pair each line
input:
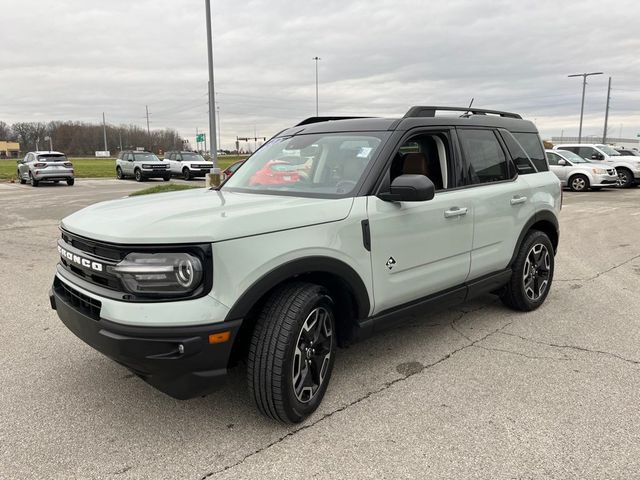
[545,221]
[584,174]
[346,288]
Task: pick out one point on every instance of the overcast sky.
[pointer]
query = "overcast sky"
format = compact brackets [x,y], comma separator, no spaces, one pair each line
[73,59]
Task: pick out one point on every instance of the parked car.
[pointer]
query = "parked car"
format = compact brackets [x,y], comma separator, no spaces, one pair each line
[231,169]
[397,217]
[626,152]
[39,166]
[141,165]
[187,164]
[579,174]
[628,169]
[275,172]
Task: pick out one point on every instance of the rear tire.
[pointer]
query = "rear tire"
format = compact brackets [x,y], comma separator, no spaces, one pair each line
[70,182]
[532,273]
[292,352]
[186,173]
[138,175]
[579,183]
[625,177]
[119,174]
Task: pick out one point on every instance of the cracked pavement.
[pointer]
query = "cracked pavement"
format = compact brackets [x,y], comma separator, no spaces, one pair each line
[476,391]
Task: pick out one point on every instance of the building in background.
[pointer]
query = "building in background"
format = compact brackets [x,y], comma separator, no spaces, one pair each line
[630,143]
[9,149]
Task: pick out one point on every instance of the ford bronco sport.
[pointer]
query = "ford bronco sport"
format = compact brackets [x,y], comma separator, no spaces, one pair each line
[141,165]
[386,218]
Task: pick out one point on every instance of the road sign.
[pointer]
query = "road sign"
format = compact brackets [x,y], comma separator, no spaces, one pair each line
[200,137]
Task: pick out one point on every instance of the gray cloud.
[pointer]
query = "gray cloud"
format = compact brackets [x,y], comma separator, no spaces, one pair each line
[73,59]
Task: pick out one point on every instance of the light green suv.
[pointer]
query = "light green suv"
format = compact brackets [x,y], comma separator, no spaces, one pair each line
[333,230]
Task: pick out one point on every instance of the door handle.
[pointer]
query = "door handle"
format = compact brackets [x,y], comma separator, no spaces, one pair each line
[455,212]
[518,200]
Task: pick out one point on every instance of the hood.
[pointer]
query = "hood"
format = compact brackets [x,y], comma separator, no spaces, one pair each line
[200,215]
[595,165]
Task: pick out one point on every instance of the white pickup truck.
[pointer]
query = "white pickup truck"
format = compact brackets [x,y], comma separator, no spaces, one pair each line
[187,164]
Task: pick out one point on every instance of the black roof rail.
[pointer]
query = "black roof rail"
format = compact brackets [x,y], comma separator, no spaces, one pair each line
[430,111]
[310,120]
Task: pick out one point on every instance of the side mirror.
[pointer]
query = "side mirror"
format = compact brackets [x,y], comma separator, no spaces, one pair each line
[562,162]
[597,156]
[409,188]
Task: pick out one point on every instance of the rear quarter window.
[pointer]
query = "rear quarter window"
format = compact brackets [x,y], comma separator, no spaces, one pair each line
[533,146]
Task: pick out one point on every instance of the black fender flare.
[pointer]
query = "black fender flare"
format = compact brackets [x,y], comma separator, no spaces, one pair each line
[299,267]
[542,216]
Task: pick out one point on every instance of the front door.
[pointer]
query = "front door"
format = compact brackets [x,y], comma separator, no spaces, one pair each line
[420,249]
[559,170]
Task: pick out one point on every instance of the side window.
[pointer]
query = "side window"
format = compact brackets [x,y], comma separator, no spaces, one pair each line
[129,157]
[552,158]
[485,159]
[426,153]
[586,152]
[177,157]
[172,156]
[521,160]
[533,146]
[570,149]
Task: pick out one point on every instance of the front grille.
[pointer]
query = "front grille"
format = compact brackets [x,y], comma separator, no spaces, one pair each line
[93,250]
[81,302]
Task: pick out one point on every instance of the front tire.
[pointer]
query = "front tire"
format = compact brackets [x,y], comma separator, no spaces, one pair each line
[22,180]
[186,173]
[532,273]
[138,175]
[167,178]
[119,174]
[70,181]
[34,182]
[292,352]
[625,177]
[579,183]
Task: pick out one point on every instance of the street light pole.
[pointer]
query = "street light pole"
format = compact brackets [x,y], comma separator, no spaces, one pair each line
[584,86]
[104,131]
[606,113]
[212,97]
[316,60]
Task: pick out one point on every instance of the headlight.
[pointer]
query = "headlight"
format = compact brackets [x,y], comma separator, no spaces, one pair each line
[171,274]
[599,171]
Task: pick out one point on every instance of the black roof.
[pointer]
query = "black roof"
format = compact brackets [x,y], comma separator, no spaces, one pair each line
[415,117]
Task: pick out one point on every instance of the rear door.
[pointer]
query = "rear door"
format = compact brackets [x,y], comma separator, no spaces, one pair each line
[502,199]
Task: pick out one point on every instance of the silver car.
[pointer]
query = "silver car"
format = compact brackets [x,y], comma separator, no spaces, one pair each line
[580,174]
[38,167]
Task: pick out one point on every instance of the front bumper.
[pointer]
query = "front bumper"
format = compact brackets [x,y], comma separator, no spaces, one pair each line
[199,172]
[179,361]
[604,180]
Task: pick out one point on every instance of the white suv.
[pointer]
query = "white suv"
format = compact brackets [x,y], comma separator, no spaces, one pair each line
[384,218]
[627,168]
[187,164]
[141,165]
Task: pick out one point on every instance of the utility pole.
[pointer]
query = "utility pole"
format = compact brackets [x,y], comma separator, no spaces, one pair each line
[606,113]
[104,132]
[219,127]
[120,138]
[316,59]
[584,86]
[148,129]
[197,142]
[212,97]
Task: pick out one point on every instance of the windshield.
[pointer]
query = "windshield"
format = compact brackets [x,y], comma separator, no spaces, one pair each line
[572,157]
[608,150]
[52,158]
[323,165]
[145,157]
[192,157]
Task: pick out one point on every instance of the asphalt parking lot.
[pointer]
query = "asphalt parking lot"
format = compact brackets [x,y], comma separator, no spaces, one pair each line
[477,391]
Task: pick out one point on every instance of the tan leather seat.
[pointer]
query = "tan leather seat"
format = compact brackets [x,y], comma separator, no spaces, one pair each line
[415,164]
